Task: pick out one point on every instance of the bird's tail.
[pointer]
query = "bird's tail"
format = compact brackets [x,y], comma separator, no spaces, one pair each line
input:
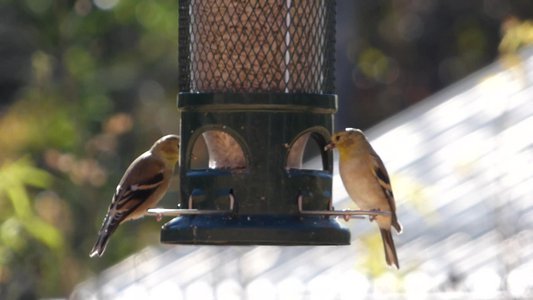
[397,226]
[99,247]
[109,226]
[390,250]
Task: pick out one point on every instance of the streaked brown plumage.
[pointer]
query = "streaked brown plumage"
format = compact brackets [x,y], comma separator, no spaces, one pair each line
[143,184]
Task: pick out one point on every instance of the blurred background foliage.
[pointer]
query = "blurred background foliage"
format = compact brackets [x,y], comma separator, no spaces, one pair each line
[400,52]
[87,85]
[84,87]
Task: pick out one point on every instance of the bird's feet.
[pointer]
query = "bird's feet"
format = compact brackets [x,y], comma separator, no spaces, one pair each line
[373,217]
[159,217]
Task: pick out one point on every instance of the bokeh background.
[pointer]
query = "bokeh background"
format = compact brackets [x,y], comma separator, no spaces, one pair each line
[87,85]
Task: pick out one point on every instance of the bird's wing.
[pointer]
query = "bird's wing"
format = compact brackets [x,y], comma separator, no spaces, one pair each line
[133,195]
[383,179]
[380,172]
[137,185]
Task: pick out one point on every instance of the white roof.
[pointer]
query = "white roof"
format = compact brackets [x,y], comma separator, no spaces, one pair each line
[461,165]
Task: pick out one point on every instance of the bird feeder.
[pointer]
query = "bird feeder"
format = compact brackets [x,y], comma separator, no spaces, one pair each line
[256,88]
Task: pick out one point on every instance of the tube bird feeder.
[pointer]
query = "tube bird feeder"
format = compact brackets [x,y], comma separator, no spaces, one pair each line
[256,88]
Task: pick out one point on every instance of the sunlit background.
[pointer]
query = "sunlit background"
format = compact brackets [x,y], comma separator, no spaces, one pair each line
[85,86]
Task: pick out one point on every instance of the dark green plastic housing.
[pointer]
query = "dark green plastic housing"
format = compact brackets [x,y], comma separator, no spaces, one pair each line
[266,190]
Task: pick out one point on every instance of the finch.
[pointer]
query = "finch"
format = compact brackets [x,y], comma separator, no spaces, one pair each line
[143,184]
[367,182]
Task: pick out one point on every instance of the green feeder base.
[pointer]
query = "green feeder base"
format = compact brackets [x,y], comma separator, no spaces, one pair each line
[254,230]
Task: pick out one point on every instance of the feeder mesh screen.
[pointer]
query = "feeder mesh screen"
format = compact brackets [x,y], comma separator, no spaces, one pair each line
[257,46]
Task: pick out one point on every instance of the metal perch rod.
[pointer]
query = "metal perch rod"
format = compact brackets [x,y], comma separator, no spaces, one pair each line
[166,212]
[346,214]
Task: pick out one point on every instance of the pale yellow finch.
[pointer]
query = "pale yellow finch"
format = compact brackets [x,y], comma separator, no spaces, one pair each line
[366,180]
[144,183]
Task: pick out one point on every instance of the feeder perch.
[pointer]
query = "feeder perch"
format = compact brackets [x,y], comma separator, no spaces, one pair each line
[256,92]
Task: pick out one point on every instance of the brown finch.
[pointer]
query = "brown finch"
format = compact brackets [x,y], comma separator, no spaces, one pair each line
[144,183]
[366,180]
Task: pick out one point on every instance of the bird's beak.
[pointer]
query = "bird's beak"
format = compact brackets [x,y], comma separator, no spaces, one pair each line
[329,146]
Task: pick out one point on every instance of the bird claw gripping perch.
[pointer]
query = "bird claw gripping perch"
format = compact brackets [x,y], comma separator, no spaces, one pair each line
[373,217]
[158,217]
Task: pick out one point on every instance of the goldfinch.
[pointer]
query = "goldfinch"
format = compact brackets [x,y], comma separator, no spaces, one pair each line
[144,183]
[366,180]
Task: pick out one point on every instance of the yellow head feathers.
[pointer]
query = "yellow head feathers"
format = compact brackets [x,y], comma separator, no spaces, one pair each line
[168,147]
[351,139]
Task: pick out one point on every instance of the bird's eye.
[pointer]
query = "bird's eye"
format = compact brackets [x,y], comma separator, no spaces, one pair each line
[336,138]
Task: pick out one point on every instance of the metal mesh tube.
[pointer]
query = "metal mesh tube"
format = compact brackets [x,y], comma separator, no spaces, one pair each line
[257,46]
